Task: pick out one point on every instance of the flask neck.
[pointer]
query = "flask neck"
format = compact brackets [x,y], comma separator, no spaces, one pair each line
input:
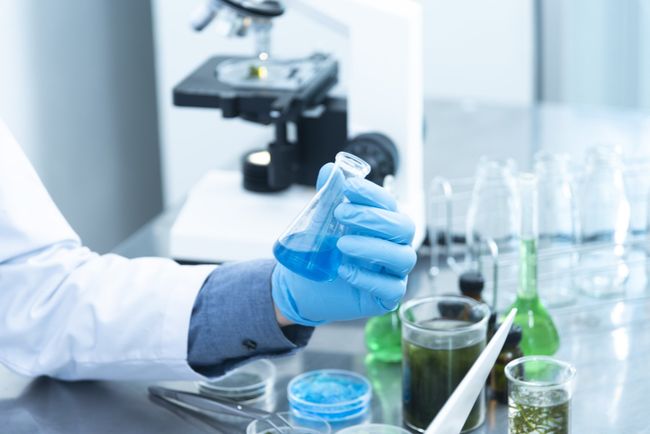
[527,269]
[351,166]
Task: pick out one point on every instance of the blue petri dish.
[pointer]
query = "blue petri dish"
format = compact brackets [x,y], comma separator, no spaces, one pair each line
[331,394]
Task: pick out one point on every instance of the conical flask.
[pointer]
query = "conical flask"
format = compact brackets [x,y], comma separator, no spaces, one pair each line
[308,247]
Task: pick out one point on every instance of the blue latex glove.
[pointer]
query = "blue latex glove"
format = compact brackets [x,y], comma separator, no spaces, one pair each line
[376,261]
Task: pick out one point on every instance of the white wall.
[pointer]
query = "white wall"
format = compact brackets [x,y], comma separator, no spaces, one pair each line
[600,53]
[479,49]
[474,49]
[77,89]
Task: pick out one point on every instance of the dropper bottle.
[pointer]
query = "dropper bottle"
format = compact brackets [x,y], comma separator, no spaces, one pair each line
[539,335]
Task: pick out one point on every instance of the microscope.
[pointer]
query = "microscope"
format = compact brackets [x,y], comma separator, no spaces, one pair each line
[379,120]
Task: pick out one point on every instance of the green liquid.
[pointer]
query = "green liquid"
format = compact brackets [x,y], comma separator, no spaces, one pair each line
[384,337]
[526,418]
[540,336]
[430,377]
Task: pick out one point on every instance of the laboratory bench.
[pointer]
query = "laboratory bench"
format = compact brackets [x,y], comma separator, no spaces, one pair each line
[608,341]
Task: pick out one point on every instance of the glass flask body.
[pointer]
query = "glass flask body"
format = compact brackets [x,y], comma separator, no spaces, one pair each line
[383,336]
[308,246]
[494,209]
[604,224]
[540,336]
[558,233]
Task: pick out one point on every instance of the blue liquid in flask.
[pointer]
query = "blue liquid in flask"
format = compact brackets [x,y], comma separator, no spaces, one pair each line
[297,253]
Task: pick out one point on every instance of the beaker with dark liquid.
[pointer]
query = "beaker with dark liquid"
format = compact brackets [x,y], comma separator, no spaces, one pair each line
[308,247]
[441,339]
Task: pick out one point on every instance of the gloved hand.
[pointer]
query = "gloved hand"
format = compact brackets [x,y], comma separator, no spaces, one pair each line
[375,262]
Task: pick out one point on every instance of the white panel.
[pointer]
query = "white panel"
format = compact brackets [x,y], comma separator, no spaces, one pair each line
[479,49]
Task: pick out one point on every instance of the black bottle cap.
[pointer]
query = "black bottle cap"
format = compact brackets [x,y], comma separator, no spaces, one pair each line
[492,321]
[451,309]
[514,336]
[471,282]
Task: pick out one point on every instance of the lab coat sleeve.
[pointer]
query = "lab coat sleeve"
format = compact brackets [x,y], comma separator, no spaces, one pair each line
[234,320]
[70,313]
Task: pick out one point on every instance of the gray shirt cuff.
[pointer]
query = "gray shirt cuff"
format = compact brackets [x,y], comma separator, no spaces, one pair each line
[233,320]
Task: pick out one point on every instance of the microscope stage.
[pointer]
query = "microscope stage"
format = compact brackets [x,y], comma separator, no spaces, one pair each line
[262,92]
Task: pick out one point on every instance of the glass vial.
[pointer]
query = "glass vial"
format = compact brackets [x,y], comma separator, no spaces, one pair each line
[604,223]
[308,246]
[539,333]
[558,233]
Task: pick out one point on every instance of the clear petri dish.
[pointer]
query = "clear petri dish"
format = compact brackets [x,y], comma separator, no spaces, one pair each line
[247,383]
[374,428]
[331,394]
[288,423]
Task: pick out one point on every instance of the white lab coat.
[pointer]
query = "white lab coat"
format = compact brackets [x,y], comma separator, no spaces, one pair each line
[71,313]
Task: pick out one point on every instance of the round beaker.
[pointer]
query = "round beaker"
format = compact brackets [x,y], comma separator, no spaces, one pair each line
[308,247]
[539,395]
[442,337]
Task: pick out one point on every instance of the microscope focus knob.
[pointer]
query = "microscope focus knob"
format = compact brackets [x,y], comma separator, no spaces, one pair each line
[377,150]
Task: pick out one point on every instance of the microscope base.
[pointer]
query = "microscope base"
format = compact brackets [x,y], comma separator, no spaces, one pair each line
[221,221]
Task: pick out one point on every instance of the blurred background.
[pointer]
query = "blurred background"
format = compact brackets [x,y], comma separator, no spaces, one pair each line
[85,85]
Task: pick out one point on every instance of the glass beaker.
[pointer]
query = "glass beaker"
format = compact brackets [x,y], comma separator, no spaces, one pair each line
[308,246]
[442,337]
[558,233]
[604,223]
[539,395]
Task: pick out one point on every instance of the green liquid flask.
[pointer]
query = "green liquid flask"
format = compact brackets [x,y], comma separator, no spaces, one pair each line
[539,335]
[384,337]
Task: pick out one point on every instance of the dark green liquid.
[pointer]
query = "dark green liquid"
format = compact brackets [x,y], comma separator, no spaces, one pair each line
[533,419]
[430,377]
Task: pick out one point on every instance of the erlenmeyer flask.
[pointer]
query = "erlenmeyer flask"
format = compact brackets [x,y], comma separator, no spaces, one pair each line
[308,247]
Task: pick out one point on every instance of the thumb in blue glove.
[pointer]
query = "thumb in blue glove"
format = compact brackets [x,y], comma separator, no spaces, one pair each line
[376,260]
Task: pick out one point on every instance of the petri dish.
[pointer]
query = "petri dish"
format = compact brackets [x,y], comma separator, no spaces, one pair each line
[374,428]
[248,383]
[331,394]
[288,423]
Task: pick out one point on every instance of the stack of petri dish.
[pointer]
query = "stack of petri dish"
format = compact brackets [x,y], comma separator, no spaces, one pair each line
[339,397]
[251,384]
